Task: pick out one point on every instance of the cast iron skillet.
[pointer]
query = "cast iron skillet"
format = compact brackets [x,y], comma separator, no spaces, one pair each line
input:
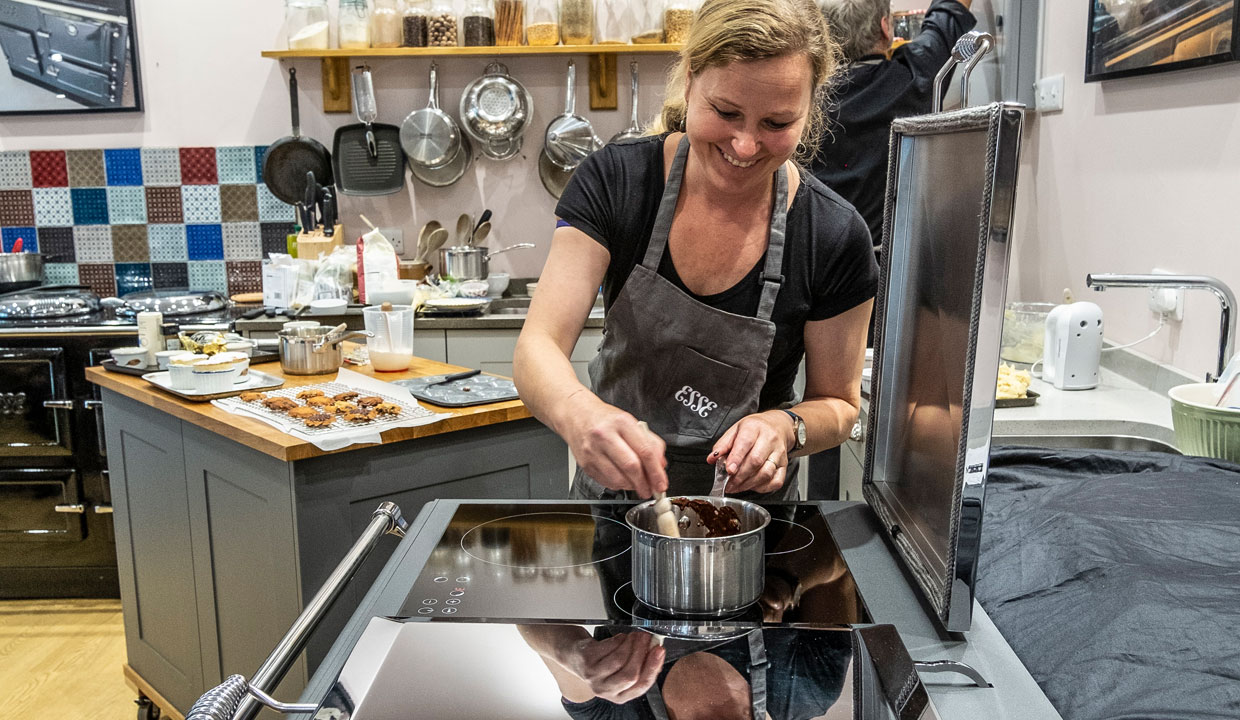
[289,159]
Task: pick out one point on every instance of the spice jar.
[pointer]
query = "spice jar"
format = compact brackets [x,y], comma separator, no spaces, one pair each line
[415,21]
[542,23]
[577,22]
[616,21]
[648,22]
[307,24]
[385,25]
[478,23]
[441,29]
[677,17]
[353,24]
[509,22]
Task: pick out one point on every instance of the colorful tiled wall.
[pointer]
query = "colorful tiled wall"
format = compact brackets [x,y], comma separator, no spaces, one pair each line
[133,219]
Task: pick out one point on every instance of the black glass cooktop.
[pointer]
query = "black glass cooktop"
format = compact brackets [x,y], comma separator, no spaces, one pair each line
[572,563]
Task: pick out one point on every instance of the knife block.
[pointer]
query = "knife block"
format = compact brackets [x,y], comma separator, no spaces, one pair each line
[310,245]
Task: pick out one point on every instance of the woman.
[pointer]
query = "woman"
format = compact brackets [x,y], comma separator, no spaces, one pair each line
[721,264]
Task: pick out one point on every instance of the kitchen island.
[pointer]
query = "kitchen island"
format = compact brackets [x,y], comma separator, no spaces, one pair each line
[225,526]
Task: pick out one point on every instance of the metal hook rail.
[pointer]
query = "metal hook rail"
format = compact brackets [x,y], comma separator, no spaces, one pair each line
[237,699]
[969,49]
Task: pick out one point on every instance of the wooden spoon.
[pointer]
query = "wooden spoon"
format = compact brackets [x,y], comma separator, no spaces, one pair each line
[662,506]
[481,233]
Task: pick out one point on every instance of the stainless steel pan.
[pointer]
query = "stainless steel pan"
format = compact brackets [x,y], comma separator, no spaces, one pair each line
[465,262]
[430,137]
[20,270]
[495,111]
[635,129]
[570,137]
[314,351]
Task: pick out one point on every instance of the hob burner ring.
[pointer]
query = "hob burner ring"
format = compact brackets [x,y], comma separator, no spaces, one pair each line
[496,545]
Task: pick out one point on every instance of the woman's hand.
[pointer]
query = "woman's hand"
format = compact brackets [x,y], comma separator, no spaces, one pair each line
[616,451]
[618,669]
[755,452]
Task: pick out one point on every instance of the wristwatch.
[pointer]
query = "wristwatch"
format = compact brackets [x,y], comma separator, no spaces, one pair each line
[800,430]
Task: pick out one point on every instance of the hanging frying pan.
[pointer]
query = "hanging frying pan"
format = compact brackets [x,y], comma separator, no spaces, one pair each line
[289,159]
[367,157]
[430,137]
[635,129]
[448,174]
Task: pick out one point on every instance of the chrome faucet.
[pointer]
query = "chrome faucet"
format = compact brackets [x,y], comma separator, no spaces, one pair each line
[1226,301]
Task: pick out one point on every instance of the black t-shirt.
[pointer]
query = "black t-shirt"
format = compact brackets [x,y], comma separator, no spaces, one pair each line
[828,265]
[871,93]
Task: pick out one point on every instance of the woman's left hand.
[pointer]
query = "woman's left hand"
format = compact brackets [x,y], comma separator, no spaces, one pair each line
[755,451]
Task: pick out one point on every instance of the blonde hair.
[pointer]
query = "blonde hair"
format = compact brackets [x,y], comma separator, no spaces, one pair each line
[727,31]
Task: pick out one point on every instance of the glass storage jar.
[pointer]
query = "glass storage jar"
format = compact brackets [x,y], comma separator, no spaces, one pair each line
[577,22]
[353,24]
[385,24]
[478,23]
[307,24]
[677,17]
[415,20]
[616,21]
[542,23]
[441,30]
[648,22]
[509,22]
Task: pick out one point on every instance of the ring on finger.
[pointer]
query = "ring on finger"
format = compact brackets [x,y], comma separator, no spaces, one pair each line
[772,462]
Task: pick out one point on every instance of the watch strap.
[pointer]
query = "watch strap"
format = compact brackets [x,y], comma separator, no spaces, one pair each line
[798,429]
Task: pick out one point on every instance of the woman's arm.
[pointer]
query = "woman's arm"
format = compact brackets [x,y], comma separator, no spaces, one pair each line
[757,448]
[606,441]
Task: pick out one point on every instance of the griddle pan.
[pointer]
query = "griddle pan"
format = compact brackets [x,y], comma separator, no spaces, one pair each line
[289,159]
[367,156]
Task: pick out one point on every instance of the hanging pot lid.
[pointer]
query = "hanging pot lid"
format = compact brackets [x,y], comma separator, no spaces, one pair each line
[570,137]
[40,303]
[172,303]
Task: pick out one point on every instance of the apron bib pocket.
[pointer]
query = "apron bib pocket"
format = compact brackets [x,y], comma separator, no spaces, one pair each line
[698,393]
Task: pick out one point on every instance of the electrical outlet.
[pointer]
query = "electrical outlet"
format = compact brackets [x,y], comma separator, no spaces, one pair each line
[396,236]
[1050,93]
[1167,301]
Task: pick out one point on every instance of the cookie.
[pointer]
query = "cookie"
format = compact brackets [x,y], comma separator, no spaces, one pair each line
[320,401]
[252,396]
[279,404]
[360,416]
[307,394]
[304,411]
[320,420]
[370,401]
[345,396]
[388,408]
[344,407]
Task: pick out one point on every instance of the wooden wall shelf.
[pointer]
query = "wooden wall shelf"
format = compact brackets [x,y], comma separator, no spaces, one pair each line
[604,88]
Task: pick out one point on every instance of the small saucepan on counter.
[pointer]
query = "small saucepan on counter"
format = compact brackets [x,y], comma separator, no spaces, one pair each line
[695,574]
[314,351]
[21,270]
[466,262]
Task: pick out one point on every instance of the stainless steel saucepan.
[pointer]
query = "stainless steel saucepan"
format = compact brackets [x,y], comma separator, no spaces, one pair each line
[20,270]
[314,351]
[696,575]
[466,262]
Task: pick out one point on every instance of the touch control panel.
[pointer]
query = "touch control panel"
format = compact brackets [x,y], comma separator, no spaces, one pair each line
[447,602]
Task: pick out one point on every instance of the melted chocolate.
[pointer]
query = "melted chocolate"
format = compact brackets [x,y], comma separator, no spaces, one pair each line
[718,521]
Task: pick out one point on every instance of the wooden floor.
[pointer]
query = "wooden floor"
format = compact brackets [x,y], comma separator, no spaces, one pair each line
[62,659]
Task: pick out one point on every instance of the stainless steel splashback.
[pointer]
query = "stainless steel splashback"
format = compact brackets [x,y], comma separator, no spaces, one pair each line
[950,195]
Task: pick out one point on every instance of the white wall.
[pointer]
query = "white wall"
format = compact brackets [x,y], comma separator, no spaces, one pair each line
[204,83]
[1135,174]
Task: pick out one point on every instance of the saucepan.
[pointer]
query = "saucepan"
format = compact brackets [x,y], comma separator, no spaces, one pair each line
[466,262]
[314,351]
[20,270]
[694,574]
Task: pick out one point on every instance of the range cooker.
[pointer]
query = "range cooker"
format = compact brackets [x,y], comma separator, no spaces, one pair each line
[56,535]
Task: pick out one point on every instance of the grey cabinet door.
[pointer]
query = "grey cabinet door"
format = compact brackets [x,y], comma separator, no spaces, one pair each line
[245,554]
[155,554]
[491,350]
[430,344]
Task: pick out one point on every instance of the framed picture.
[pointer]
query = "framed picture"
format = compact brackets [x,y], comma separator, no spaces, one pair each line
[1136,37]
[68,56]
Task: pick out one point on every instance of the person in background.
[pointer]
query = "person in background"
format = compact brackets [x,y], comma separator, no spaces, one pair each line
[722,265]
[877,86]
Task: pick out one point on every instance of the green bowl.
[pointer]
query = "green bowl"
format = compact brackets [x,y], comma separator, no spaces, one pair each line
[1200,427]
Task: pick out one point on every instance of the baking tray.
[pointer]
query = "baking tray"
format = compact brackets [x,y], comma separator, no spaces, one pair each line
[476,390]
[333,388]
[1030,399]
[258,381]
[111,366]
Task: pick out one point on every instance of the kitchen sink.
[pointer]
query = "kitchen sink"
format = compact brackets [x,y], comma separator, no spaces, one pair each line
[510,306]
[510,311]
[1088,442]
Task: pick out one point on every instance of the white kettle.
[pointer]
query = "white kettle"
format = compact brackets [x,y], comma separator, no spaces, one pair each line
[1072,346]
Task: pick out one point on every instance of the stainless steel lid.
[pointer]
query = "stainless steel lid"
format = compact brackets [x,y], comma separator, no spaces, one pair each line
[46,303]
[172,303]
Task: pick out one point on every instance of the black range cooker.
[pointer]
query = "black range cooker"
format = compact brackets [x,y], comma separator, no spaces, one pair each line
[55,506]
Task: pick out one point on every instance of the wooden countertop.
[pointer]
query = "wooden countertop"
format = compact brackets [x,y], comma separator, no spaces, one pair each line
[267,439]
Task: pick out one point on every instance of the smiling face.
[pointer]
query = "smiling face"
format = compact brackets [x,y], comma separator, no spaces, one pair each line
[745,119]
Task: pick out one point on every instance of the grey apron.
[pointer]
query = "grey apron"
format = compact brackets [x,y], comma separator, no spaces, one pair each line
[689,370]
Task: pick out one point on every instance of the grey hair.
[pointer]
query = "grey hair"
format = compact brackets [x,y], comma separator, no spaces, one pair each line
[856,25]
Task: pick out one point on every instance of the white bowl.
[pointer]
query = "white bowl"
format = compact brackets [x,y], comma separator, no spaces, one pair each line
[328,306]
[129,356]
[163,357]
[497,283]
[245,347]
[474,289]
[530,288]
[401,293]
[213,381]
[181,371]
